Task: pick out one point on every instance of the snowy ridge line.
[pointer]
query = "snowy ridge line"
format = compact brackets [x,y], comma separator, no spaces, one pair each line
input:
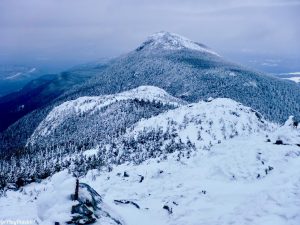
[207,123]
[18,74]
[295,79]
[172,41]
[185,130]
[84,105]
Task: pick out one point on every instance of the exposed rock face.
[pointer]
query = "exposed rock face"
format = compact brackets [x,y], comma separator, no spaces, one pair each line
[127,202]
[90,208]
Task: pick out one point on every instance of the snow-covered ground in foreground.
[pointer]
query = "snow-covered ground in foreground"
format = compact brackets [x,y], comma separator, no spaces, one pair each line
[242,181]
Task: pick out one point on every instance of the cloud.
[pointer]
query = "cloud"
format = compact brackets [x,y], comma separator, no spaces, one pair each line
[76,31]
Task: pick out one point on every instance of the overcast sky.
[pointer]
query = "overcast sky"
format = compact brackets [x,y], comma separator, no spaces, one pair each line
[67,32]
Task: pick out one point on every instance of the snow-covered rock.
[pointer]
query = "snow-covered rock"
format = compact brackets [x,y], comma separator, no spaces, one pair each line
[89,208]
[288,134]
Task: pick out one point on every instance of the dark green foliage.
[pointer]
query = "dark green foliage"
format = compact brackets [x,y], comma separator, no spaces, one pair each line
[187,74]
[74,136]
[194,75]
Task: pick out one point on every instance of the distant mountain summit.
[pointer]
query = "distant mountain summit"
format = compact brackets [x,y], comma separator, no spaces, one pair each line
[183,68]
[193,72]
[170,41]
[156,132]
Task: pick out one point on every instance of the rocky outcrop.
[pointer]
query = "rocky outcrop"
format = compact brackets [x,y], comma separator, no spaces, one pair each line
[89,208]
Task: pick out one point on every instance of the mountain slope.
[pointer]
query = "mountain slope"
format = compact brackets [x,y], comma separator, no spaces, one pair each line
[86,112]
[212,121]
[193,73]
[184,130]
[257,183]
[167,162]
[132,126]
[185,69]
[41,92]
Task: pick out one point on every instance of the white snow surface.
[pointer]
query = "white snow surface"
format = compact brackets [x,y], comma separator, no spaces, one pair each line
[244,180]
[295,79]
[293,76]
[171,41]
[207,123]
[91,104]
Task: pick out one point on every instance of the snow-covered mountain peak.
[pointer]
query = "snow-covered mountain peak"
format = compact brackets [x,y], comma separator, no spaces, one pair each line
[170,41]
